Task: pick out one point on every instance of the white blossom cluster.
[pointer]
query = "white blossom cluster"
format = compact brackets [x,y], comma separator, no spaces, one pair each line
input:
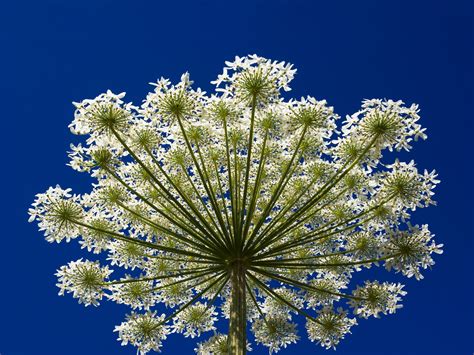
[331,327]
[275,332]
[194,320]
[240,205]
[374,298]
[84,279]
[144,331]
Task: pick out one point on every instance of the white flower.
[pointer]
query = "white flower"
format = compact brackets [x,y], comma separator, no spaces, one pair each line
[173,292]
[254,76]
[194,320]
[276,306]
[330,327]
[126,254]
[275,332]
[412,249]
[144,331]
[325,291]
[56,210]
[101,113]
[394,124]
[375,298]
[84,279]
[134,293]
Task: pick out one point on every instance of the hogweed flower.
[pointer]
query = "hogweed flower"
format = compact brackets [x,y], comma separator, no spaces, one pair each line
[241,205]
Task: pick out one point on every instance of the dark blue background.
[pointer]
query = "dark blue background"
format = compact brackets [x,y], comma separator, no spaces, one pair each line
[54,52]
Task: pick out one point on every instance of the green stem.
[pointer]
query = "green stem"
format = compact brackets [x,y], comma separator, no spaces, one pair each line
[279,265]
[201,175]
[165,190]
[301,285]
[194,299]
[200,271]
[276,296]
[322,192]
[310,237]
[184,196]
[247,170]
[256,189]
[231,187]
[146,244]
[238,311]
[279,189]
[169,232]
[223,199]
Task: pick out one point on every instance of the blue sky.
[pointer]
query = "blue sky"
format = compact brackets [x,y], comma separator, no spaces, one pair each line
[56,52]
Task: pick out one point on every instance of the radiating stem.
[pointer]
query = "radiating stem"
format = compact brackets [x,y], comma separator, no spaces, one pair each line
[247,170]
[280,186]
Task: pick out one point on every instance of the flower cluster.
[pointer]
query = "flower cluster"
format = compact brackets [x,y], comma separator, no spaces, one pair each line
[145,331]
[55,210]
[84,279]
[374,298]
[330,327]
[413,248]
[196,319]
[275,332]
[255,78]
[134,293]
[240,205]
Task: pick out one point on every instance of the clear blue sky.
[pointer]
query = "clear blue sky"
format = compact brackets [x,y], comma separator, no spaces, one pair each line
[56,52]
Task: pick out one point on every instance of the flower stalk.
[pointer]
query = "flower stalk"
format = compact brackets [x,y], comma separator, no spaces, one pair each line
[238,310]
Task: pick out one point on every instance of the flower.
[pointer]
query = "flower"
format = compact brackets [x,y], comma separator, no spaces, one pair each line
[84,279]
[412,250]
[101,114]
[215,345]
[194,320]
[324,291]
[55,210]
[255,78]
[374,298]
[275,332]
[145,331]
[330,327]
[134,293]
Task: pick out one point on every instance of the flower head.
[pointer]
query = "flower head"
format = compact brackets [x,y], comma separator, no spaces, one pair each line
[330,327]
[275,332]
[145,331]
[195,320]
[56,211]
[374,298]
[242,205]
[84,279]
[412,249]
[255,79]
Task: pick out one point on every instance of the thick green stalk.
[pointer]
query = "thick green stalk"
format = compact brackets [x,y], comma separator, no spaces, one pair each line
[238,311]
